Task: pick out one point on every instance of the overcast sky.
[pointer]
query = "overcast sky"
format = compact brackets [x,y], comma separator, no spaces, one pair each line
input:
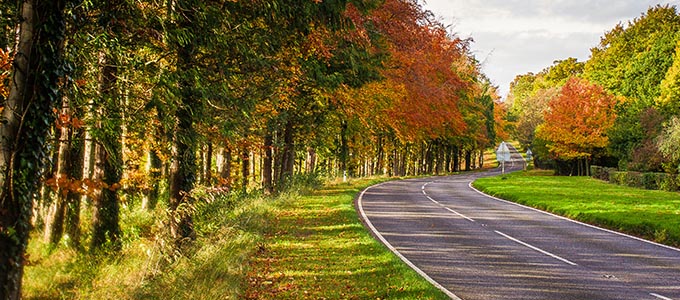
[513,37]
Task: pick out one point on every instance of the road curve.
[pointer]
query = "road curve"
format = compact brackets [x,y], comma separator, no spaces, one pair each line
[473,246]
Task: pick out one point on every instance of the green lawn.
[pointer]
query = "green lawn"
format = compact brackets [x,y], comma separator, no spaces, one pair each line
[653,215]
[320,250]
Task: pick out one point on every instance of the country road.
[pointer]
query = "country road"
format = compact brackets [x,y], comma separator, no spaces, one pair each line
[478,247]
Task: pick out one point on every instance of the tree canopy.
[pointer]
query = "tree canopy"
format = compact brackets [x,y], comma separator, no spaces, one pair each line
[148,100]
[637,62]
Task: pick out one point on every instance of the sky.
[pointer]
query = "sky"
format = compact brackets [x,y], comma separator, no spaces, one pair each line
[513,37]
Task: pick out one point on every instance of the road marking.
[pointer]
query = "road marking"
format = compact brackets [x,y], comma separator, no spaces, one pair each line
[395,251]
[442,205]
[660,297]
[535,248]
[574,221]
[459,214]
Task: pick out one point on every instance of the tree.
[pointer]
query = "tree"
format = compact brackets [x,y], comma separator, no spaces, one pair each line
[108,134]
[669,144]
[183,168]
[530,93]
[669,98]
[632,61]
[27,116]
[577,122]
[533,110]
[618,62]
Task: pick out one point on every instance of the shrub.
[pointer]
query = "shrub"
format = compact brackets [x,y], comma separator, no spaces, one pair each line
[617,177]
[652,181]
[649,181]
[634,179]
[601,173]
[670,183]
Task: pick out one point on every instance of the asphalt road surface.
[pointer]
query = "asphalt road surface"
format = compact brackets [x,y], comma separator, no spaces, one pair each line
[477,247]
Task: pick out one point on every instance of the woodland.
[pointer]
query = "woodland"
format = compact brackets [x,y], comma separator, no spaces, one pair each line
[121,105]
[617,109]
[116,104]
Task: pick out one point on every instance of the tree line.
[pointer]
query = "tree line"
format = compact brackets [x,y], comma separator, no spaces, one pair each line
[618,109]
[108,103]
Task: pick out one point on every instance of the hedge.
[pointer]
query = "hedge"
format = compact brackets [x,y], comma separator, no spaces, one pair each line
[650,181]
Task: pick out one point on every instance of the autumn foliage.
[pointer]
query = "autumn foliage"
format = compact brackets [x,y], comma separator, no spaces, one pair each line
[423,61]
[5,64]
[636,61]
[154,99]
[425,75]
[578,119]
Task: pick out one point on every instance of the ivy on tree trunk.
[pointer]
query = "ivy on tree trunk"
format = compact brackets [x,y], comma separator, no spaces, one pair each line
[26,119]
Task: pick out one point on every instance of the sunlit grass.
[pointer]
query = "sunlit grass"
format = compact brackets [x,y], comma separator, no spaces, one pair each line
[320,250]
[653,215]
[289,247]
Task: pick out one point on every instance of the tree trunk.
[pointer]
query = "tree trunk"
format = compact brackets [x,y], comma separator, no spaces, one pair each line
[183,170]
[405,161]
[105,220]
[73,199]
[27,117]
[440,159]
[380,157]
[108,157]
[182,176]
[468,160]
[207,161]
[481,158]
[288,159]
[153,167]
[456,159]
[200,164]
[310,164]
[88,153]
[54,223]
[344,148]
[245,168]
[267,182]
[225,169]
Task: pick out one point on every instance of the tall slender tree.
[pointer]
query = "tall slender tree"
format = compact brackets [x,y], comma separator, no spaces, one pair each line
[183,168]
[26,119]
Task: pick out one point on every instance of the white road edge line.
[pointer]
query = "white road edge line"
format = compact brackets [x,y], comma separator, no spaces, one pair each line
[536,248]
[574,221]
[660,297]
[394,250]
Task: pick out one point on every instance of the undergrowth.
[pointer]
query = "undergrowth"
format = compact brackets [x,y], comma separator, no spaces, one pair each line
[229,226]
[305,243]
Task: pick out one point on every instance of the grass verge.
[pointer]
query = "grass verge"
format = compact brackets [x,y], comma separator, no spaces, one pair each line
[320,250]
[294,246]
[653,215]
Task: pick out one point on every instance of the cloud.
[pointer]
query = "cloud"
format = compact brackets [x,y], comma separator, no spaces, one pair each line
[514,37]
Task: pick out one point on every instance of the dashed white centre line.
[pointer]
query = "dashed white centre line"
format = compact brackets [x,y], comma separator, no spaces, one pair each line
[505,235]
[442,205]
[459,214]
[660,297]
[536,248]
